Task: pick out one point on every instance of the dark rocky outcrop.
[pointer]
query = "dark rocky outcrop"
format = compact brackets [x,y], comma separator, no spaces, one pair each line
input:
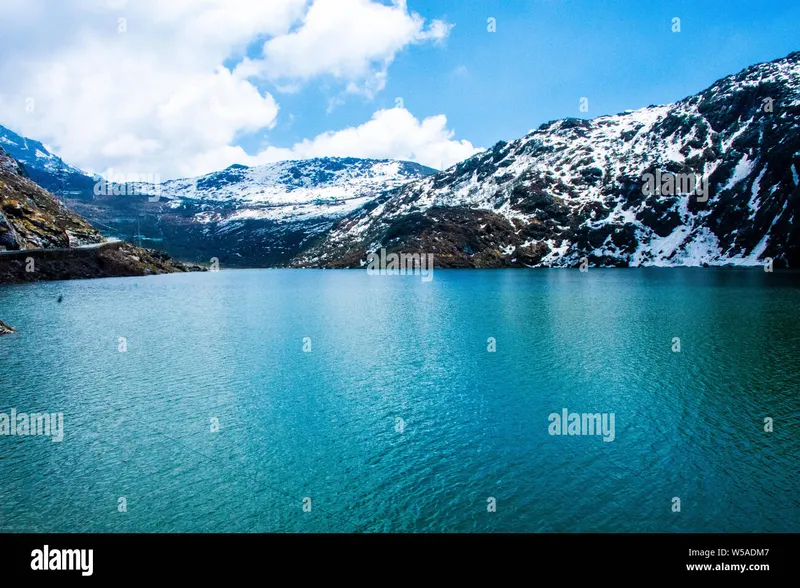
[115,259]
[32,218]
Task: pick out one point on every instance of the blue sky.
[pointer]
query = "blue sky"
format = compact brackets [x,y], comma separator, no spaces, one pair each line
[188,88]
[547,54]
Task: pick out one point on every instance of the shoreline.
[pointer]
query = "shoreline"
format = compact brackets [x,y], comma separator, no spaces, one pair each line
[665,269]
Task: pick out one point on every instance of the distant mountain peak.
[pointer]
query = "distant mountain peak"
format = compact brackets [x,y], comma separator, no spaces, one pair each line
[297,181]
[43,167]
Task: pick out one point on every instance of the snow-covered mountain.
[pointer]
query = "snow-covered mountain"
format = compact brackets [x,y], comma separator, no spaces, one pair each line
[298,182]
[243,216]
[44,168]
[319,190]
[575,189]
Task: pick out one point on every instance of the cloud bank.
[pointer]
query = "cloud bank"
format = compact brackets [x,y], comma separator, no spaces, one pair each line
[143,87]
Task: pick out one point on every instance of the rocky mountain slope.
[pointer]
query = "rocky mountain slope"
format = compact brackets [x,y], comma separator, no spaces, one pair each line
[579,189]
[41,239]
[31,218]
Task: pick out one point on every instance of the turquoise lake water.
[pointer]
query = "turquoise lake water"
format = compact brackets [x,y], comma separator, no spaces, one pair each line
[399,418]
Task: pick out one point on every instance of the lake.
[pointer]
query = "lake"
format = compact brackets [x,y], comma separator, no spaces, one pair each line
[336,401]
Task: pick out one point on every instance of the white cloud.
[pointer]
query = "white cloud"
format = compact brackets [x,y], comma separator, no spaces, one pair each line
[157,99]
[390,134]
[353,40]
[130,146]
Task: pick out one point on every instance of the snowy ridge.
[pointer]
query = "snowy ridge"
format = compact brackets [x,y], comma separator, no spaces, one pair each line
[288,191]
[298,182]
